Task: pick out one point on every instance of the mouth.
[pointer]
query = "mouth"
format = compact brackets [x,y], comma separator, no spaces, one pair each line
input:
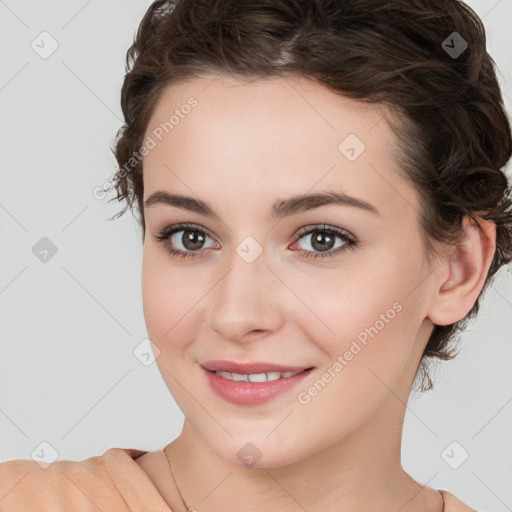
[252,383]
[257,377]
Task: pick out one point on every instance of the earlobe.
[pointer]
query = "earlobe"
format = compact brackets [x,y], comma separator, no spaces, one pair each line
[466,267]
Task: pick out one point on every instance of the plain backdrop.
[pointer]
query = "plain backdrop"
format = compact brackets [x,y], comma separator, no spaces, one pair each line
[71,315]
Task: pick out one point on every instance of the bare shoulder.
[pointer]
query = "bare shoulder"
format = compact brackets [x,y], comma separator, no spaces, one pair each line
[63,485]
[454,504]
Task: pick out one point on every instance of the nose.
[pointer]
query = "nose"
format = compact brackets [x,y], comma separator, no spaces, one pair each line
[246,303]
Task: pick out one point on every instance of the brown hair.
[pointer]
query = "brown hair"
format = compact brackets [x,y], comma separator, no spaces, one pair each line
[453,134]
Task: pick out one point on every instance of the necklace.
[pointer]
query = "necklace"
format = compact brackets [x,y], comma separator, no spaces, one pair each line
[192,509]
[188,509]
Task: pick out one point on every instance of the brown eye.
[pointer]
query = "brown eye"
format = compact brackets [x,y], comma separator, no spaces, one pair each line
[184,240]
[320,241]
[191,240]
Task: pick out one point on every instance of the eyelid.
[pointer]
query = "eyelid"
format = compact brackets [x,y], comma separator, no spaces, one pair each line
[325,227]
[348,239]
[183,226]
[166,233]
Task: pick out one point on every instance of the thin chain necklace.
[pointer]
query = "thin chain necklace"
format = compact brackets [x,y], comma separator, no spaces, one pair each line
[192,509]
[188,509]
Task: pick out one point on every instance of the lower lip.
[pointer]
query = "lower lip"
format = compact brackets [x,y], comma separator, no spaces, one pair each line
[252,393]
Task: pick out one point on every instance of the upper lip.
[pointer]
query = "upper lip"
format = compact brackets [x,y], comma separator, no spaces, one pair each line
[250,368]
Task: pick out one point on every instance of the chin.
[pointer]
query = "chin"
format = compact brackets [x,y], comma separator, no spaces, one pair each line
[256,450]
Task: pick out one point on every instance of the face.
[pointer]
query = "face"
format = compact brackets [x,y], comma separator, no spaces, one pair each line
[329,287]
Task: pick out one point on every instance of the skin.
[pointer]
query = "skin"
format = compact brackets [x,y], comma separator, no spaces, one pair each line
[244,146]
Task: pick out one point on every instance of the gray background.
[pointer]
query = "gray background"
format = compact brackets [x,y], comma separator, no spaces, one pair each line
[69,326]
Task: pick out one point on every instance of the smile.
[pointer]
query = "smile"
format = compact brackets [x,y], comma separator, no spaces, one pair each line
[251,384]
[257,377]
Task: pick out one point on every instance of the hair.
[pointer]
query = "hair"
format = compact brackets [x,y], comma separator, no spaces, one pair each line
[453,136]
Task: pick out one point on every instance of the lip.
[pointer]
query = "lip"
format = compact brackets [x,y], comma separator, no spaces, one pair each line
[247,368]
[251,393]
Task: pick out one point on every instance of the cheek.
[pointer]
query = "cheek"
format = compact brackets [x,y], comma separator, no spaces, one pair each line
[154,297]
[160,296]
[367,360]
[367,314]
[171,296]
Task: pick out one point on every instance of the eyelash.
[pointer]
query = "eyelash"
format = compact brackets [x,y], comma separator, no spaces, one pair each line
[350,242]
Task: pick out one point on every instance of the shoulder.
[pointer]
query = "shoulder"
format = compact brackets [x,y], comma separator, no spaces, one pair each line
[453,504]
[84,485]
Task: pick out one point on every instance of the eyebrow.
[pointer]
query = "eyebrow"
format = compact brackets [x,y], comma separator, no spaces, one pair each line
[280,209]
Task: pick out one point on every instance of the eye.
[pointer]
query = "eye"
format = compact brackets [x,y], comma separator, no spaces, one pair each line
[324,241]
[188,241]
[184,240]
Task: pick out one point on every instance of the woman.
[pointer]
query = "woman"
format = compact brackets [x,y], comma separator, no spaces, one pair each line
[322,205]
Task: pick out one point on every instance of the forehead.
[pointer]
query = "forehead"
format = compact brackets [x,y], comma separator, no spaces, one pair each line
[275,136]
[267,100]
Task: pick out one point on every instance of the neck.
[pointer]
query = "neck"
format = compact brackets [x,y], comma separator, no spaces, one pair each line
[359,472]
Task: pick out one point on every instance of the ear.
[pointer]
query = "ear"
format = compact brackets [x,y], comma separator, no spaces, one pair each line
[463,272]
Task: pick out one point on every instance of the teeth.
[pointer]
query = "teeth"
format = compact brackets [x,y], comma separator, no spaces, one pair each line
[257,377]
[226,375]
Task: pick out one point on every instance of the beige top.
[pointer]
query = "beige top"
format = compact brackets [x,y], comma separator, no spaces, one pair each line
[120,480]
